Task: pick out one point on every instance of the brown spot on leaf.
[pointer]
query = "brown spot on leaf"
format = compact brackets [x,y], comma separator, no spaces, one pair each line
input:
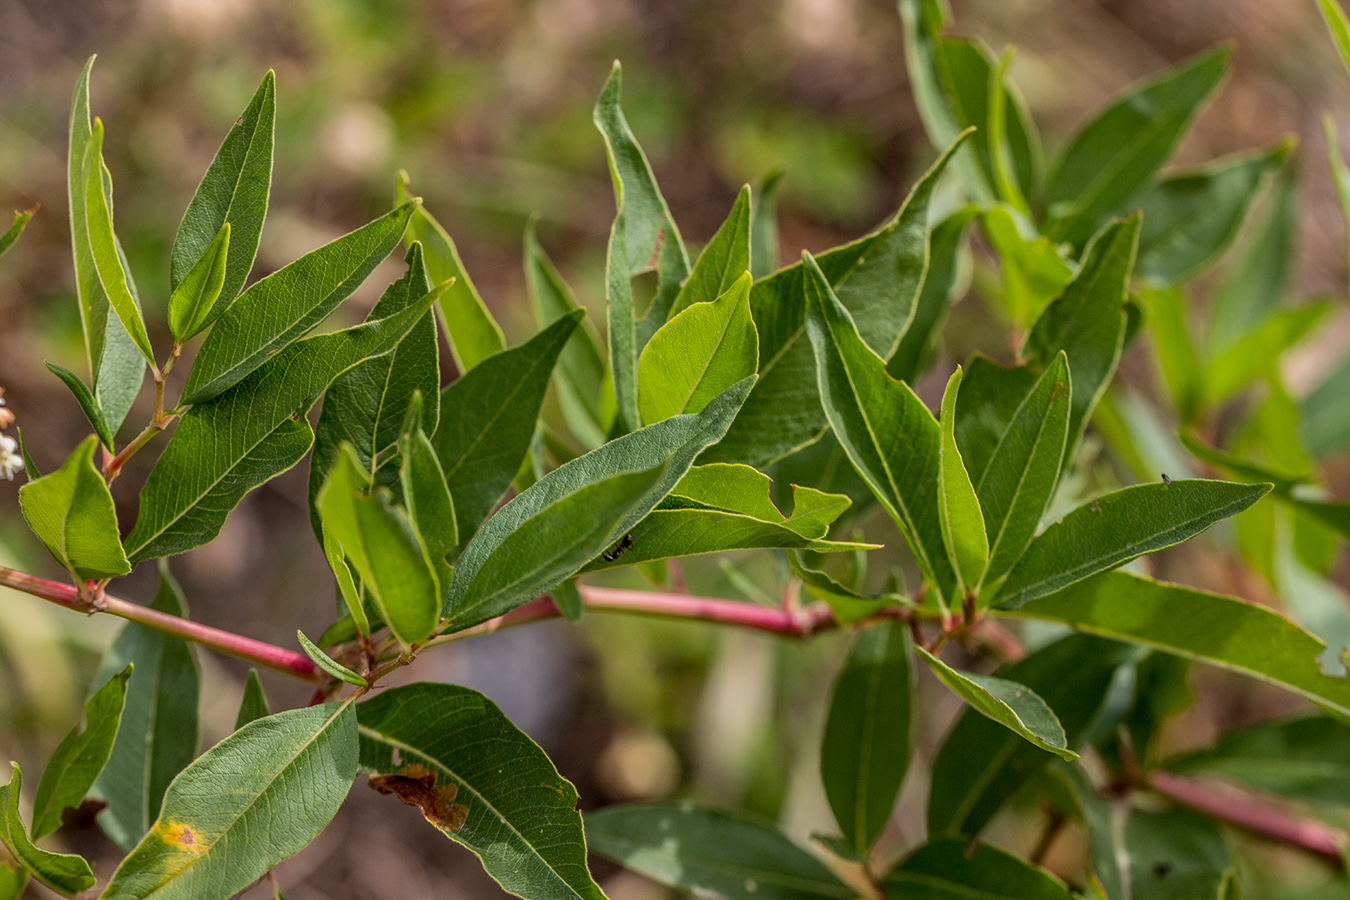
[416,786]
[180,837]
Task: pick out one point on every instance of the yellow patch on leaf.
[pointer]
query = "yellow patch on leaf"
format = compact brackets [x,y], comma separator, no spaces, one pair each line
[180,837]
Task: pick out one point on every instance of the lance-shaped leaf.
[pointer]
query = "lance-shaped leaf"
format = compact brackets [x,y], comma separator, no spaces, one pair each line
[254,799]
[982,762]
[471,331]
[430,507]
[1190,219]
[865,751]
[1119,526]
[63,872]
[1012,705]
[889,435]
[285,305]
[1115,155]
[1222,631]
[232,192]
[710,853]
[1017,485]
[848,604]
[353,598]
[193,305]
[384,547]
[642,230]
[764,226]
[1340,173]
[653,459]
[254,704]
[699,353]
[1253,354]
[72,513]
[587,398]
[722,261]
[877,278]
[88,405]
[488,419]
[959,512]
[328,664]
[1088,321]
[449,751]
[949,868]
[918,344]
[114,361]
[103,245]
[727,507]
[80,756]
[366,406]
[158,733]
[224,448]
[12,234]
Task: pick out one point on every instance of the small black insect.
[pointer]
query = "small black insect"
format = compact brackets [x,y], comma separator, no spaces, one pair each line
[617,551]
[1162,869]
[1166,480]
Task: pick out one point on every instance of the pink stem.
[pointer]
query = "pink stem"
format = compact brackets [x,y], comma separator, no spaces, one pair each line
[282,660]
[1261,818]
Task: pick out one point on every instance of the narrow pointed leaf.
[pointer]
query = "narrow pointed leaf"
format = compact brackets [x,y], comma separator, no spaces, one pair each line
[158,733]
[1119,526]
[1340,174]
[328,664]
[662,452]
[430,507]
[72,513]
[1339,26]
[1253,354]
[918,344]
[254,799]
[722,261]
[488,419]
[699,353]
[1115,155]
[889,435]
[80,756]
[351,596]
[709,853]
[224,448]
[232,192]
[287,304]
[949,869]
[193,304]
[12,234]
[1012,705]
[254,705]
[959,514]
[88,405]
[764,226]
[865,751]
[64,872]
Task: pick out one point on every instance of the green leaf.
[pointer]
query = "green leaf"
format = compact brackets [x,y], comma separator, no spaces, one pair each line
[80,756]
[233,192]
[878,278]
[115,362]
[643,230]
[1222,631]
[1012,705]
[583,506]
[328,664]
[13,879]
[1340,175]
[918,345]
[384,547]
[848,604]
[720,265]
[949,869]
[709,853]
[88,405]
[488,420]
[158,734]
[483,783]
[1114,156]
[72,513]
[103,245]
[865,750]
[12,234]
[568,600]
[425,495]
[889,435]
[1034,268]
[586,396]
[962,522]
[282,307]
[254,705]
[1324,415]
[193,304]
[1118,527]
[1339,26]
[471,331]
[982,763]
[1305,759]
[764,226]
[63,872]
[337,562]
[1256,352]
[1088,321]
[366,406]
[1016,487]
[700,352]
[1190,219]
[254,799]
[225,447]
[1176,354]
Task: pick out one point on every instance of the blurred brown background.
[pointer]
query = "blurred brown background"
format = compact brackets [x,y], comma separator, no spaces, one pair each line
[487,103]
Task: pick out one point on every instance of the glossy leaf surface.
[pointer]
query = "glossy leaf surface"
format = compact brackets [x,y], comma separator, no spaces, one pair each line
[193,303]
[88,404]
[71,512]
[959,514]
[950,870]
